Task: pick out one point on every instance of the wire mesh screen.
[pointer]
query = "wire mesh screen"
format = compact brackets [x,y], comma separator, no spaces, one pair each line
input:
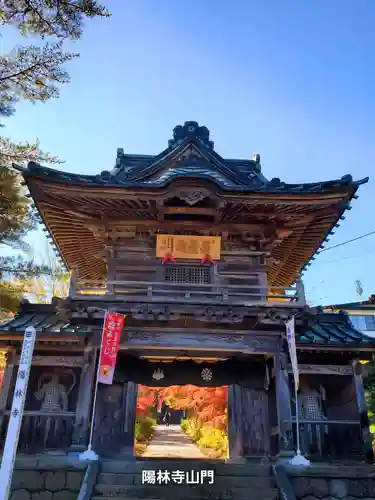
[183,275]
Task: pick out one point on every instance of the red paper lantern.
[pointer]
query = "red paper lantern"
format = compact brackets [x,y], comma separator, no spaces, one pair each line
[168,257]
[208,258]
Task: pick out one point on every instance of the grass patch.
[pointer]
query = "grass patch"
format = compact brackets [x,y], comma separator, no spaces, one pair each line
[144,431]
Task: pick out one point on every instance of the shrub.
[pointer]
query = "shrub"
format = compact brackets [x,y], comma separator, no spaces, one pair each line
[192,428]
[144,428]
[213,438]
[184,425]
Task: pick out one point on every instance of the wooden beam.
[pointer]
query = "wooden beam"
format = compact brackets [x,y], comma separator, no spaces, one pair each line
[43,337]
[122,193]
[189,210]
[193,342]
[68,361]
[324,369]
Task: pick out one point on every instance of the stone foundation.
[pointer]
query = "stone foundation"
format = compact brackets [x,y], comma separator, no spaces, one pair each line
[333,482]
[47,478]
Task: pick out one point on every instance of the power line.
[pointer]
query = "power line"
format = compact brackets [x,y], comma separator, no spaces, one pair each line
[346,242]
[356,256]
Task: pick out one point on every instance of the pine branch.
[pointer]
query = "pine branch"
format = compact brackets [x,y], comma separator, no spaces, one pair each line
[9,297]
[22,268]
[22,153]
[33,73]
[58,18]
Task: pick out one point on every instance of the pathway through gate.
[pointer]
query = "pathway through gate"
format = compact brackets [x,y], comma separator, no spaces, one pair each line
[171,442]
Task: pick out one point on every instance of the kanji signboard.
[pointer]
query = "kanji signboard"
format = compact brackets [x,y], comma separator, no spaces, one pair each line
[113,325]
[188,247]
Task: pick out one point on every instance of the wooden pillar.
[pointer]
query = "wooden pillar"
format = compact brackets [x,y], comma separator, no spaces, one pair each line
[130,403]
[7,380]
[362,409]
[73,283]
[300,291]
[235,430]
[85,397]
[283,404]
[111,270]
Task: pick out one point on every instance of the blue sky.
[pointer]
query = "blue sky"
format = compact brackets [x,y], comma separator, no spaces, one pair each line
[291,80]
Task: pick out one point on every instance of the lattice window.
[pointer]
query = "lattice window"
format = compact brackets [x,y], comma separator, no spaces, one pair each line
[195,275]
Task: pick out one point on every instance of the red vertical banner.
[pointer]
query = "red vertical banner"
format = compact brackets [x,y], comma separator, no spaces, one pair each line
[113,325]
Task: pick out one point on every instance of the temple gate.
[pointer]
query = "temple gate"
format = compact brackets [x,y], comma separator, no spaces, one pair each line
[204,256]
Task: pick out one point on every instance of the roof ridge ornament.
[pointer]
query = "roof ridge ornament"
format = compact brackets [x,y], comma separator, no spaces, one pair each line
[192,131]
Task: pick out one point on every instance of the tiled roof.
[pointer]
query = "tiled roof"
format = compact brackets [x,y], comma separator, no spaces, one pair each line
[328,329]
[331,329]
[365,305]
[190,154]
[254,183]
[43,318]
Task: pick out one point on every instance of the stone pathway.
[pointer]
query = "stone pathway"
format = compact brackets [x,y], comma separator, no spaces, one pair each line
[171,442]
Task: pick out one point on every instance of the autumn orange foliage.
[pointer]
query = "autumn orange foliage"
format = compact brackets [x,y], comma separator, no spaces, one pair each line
[146,399]
[205,404]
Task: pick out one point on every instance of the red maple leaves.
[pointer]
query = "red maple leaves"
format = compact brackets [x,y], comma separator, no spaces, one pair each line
[205,404]
[146,399]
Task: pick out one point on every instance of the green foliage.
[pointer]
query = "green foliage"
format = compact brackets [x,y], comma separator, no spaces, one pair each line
[28,278]
[184,425]
[144,428]
[369,383]
[32,73]
[192,428]
[15,218]
[9,299]
[23,269]
[59,18]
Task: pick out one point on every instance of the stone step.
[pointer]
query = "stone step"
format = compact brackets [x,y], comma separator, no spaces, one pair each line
[183,492]
[108,478]
[220,468]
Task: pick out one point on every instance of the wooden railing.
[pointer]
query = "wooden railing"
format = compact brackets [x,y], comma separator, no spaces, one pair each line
[334,439]
[147,291]
[41,431]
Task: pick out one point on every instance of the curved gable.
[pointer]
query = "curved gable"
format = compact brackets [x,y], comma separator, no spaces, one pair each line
[190,154]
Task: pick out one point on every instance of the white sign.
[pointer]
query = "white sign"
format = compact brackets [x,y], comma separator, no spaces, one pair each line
[16,413]
[151,476]
[291,339]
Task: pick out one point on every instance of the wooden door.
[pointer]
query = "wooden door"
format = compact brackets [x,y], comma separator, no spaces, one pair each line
[255,423]
[109,418]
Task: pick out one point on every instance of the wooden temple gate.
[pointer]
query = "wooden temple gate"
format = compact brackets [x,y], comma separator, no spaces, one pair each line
[204,256]
[261,418]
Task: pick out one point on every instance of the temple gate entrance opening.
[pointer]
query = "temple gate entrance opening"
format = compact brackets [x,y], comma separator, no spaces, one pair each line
[182,422]
[243,390]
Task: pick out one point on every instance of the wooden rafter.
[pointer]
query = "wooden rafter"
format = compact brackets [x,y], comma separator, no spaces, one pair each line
[81,218]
